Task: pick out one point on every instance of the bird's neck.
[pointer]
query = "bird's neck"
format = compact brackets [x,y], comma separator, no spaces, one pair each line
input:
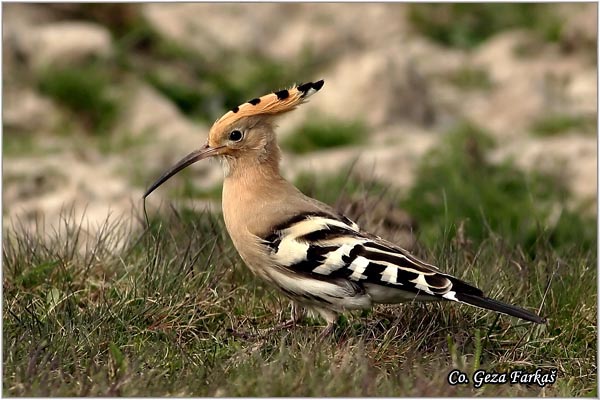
[257,167]
[251,190]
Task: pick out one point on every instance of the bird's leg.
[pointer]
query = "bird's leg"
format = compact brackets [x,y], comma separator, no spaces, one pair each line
[295,317]
[331,318]
[327,331]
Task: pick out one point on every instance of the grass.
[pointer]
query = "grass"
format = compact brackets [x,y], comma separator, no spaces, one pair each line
[470,78]
[171,310]
[132,311]
[157,318]
[188,98]
[211,89]
[468,25]
[189,190]
[320,133]
[557,124]
[455,184]
[85,92]
[22,144]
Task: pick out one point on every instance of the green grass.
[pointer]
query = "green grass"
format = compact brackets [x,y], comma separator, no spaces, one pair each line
[557,124]
[162,316]
[321,133]
[465,25]
[188,98]
[209,88]
[20,144]
[456,184]
[470,78]
[201,86]
[172,311]
[189,190]
[85,92]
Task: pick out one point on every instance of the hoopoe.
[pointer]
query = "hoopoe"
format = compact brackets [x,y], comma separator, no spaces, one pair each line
[314,255]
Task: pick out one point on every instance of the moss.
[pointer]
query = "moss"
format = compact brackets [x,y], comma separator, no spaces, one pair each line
[331,188]
[466,25]
[555,124]
[455,182]
[470,78]
[85,91]
[188,98]
[320,133]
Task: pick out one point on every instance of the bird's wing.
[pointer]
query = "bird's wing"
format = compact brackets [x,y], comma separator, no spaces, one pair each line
[332,249]
[327,246]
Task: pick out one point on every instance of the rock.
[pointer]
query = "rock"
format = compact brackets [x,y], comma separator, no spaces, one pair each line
[325,29]
[572,157]
[149,111]
[63,43]
[169,136]
[26,111]
[580,32]
[367,58]
[527,87]
[40,189]
[380,161]
[582,92]
[390,88]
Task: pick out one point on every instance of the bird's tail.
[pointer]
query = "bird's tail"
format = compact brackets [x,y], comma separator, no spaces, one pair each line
[468,294]
[495,305]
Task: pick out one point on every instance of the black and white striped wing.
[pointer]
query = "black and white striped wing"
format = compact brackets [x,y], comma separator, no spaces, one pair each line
[330,247]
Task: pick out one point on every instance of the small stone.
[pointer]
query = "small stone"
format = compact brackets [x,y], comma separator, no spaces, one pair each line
[64,43]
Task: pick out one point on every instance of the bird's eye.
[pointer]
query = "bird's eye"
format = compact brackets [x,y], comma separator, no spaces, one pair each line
[235,136]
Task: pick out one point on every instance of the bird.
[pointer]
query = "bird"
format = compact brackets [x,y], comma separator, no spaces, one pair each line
[317,257]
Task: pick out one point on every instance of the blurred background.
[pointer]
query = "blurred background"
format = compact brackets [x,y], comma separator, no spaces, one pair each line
[99,99]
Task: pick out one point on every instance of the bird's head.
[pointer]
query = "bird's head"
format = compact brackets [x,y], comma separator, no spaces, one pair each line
[246,132]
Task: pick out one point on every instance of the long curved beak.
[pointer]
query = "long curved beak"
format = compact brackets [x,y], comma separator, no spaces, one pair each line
[186,161]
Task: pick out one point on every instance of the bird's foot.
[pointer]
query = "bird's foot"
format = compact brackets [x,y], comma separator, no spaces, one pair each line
[327,331]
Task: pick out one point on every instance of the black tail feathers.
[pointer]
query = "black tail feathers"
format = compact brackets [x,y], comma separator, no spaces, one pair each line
[495,305]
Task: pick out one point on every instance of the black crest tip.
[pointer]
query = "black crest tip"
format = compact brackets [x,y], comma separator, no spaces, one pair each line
[309,88]
[282,94]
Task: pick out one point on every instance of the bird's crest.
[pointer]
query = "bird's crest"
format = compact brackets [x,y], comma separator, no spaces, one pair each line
[271,104]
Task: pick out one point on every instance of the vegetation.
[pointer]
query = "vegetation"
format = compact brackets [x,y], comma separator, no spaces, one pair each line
[321,133]
[466,25]
[171,310]
[556,124]
[456,183]
[199,86]
[189,190]
[84,91]
[469,78]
